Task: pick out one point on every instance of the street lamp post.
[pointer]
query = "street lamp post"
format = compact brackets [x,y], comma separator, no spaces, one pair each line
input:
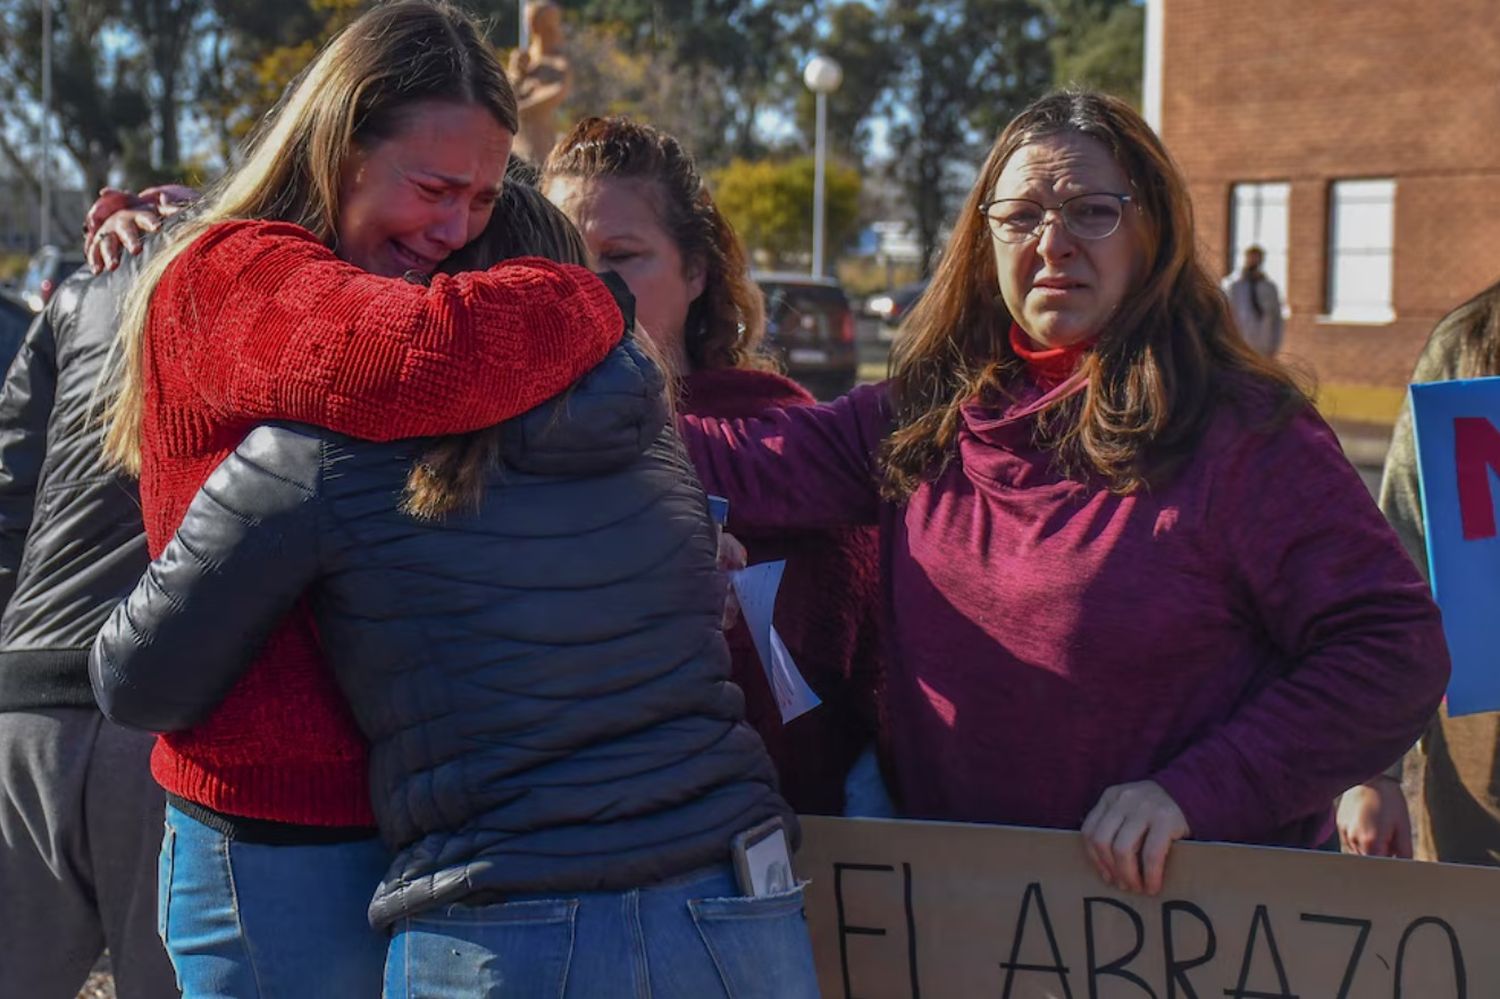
[46,226]
[822,77]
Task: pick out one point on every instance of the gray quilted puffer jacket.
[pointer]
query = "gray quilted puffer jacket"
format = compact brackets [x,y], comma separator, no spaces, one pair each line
[543,682]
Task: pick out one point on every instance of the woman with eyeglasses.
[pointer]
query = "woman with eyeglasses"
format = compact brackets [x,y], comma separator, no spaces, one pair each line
[1133,587]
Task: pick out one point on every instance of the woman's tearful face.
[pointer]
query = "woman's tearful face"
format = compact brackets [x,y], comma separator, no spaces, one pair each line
[411,200]
[1060,288]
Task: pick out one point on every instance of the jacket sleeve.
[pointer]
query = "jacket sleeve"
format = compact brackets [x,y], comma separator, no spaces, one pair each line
[242,557]
[798,467]
[1320,574]
[1400,492]
[25,410]
[269,325]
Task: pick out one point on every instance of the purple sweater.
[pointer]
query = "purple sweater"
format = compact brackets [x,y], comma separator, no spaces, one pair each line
[1250,635]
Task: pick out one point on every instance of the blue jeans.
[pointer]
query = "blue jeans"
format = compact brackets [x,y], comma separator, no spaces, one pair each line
[249,921]
[689,938]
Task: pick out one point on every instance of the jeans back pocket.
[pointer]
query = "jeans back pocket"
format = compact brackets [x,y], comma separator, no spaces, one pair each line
[520,949]
[760,945]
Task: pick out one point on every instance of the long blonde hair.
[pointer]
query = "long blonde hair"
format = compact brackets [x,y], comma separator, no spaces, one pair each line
[354,95]
[1166,361]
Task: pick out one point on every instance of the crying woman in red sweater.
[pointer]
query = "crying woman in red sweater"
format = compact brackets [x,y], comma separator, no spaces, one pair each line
[283,298]
[1131,585]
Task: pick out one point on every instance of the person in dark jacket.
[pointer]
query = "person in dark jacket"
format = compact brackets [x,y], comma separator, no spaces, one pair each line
[531,644]
[80,816]
[645,212]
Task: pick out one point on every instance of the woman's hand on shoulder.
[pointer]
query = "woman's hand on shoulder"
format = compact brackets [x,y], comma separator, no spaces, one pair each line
[118,219]
[1129,832]
[1373,819]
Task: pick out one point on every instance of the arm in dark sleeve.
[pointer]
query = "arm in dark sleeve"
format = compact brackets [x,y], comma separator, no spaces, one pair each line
[1337,597]
[799,467]
[245,552]
[25,409]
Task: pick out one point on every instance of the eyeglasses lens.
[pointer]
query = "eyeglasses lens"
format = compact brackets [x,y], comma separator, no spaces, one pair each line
[1088,216]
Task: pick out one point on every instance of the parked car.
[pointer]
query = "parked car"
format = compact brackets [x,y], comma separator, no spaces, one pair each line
[50,266]
[810,325]
[15,320]
[891,307]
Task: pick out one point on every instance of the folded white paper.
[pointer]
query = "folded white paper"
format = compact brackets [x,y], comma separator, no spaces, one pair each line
[755,588]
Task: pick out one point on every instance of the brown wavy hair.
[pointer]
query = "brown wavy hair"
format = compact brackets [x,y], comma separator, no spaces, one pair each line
[1479,340]
[1162,364]
[356,93]
[726,324]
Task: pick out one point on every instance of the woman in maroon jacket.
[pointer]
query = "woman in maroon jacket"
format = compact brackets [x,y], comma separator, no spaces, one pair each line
[646,214]
[1131,583]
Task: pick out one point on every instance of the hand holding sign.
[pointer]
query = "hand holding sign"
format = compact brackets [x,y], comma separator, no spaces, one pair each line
[1128,834]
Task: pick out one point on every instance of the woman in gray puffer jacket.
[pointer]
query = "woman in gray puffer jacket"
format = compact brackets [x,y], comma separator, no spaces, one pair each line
[558,758]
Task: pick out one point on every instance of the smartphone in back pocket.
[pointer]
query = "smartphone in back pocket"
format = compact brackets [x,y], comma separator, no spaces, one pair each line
[762,859]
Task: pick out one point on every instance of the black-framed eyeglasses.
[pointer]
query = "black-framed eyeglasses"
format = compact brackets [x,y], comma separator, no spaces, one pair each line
[1087,216]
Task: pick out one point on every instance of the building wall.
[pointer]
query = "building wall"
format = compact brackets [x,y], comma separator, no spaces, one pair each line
[1312,91]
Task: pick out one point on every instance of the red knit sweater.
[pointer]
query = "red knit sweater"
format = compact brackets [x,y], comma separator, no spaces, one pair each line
[827,612]
[258,321]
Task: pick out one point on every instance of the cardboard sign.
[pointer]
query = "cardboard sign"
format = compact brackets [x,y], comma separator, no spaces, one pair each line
[1457,428]
[903,910]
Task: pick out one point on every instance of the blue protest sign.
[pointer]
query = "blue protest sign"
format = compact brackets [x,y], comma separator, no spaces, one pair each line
[1458,457]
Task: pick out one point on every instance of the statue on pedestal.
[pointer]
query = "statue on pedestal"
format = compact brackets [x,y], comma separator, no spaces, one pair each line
[542,77]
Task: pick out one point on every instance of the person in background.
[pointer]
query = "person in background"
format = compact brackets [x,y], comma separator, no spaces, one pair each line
[1255,302]
[531,643]
[80,816]
[283,295]
[1455,769]
[1132,585]
[646,214]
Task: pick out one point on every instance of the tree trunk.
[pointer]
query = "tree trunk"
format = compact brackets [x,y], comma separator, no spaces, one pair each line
[171,153]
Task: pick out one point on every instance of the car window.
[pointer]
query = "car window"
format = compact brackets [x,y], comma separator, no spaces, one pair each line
[812,310]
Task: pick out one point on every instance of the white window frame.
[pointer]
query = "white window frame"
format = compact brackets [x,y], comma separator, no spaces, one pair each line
[1367,204]
[1259,197]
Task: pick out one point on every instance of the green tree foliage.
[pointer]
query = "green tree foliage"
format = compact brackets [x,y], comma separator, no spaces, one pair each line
[740,57]
[252,52]
[862,43]
[97,98]
[963,69]
[165,29]
[1100,44]
[931,79]
[610,78]
[769,202]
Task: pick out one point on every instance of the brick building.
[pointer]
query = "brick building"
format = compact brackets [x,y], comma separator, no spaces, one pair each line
[1359,142]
